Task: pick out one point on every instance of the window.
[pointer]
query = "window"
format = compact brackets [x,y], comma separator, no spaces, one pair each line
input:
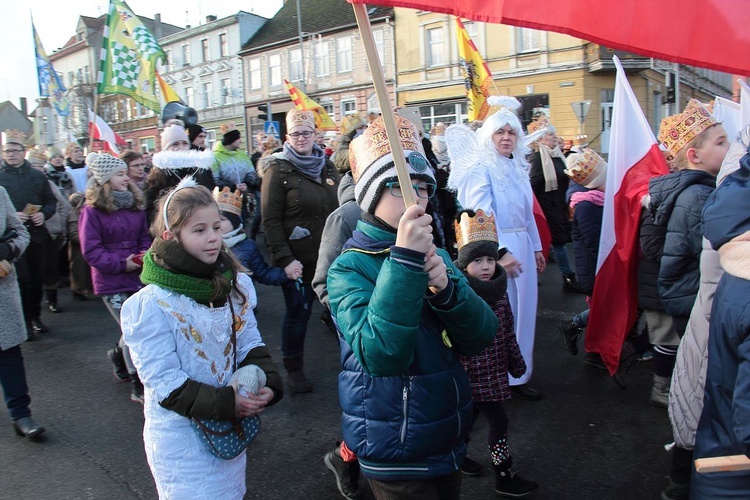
[531,106]
[379,45]
[79,76]
[204,50]
[255,74]
[435,47]
[71,78]
[226,91]
[448,113]
[86,74]
[147,144]
[186,55]
[138,109]
[528,39]
[348,107]
[295,65]
[168,60]
[274,69]
[344,54]
[373,106]
[210,139]
[189,96]
[328,107]
[208,94]
[223,45]
[322,59]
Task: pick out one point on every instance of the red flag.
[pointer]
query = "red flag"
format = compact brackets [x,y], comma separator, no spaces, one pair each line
[101,131]
[543,227]
[706,34]
[634,158]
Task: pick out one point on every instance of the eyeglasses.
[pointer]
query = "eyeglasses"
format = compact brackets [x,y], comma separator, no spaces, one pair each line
[12,151]
[306,134]
[424,191]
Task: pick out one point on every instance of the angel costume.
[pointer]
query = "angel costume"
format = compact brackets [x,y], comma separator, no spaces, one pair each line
[484,179]
[173,338]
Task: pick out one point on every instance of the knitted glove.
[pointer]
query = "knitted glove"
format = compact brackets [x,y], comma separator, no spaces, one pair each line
[250,379]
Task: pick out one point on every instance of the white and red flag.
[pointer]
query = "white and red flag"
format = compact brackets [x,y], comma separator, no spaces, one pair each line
[100,131]
[634,158]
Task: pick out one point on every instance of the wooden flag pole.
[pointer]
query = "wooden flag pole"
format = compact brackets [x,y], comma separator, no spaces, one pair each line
[386,108]
[722,464]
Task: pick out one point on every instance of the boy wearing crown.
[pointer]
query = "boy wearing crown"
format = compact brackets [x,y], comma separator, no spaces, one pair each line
[478,257]
[404,314]
[244,249]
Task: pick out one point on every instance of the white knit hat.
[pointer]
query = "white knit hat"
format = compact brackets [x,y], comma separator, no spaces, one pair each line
[105,166]
[172,134]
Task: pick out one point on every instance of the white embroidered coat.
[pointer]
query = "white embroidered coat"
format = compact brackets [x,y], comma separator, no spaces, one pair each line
[172,338]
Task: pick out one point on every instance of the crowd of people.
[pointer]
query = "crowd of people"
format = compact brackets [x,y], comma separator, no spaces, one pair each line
[438,298]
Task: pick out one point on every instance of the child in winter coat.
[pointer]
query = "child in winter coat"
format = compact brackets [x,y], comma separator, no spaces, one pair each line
[113,233]
[404,314]
[585,196]
[244,249]
[488,371]
[698,144]
[193,334]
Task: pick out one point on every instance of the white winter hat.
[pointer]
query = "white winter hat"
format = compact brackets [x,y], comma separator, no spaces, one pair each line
[172,134]
[105,166]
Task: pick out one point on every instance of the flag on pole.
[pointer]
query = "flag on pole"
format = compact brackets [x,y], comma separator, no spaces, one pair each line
[634,158]
[477,75]
[167,92]
[50,83]
[542,226]
[744,104]
[100,131]
[129,57]
[302,102]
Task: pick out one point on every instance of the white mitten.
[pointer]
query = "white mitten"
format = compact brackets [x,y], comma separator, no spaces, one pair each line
[249,379]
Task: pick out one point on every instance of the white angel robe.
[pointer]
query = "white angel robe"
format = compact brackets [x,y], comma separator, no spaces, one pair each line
[173,338]
[503,189]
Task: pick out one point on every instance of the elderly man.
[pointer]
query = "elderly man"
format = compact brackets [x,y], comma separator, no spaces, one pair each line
[32,197]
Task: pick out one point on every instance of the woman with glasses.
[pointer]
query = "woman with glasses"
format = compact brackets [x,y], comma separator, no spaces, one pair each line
[490,172]
[297,194]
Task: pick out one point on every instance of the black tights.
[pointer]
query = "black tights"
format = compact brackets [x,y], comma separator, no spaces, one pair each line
[497,437]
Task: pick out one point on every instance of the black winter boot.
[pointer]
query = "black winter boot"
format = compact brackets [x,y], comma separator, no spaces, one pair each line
[570,284]
[346,473]
[136,389]
[509,484]
[571,335]
[119,367]
[296,377]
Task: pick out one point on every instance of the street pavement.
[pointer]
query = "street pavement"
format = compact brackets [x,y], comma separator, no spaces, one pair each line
[586,439]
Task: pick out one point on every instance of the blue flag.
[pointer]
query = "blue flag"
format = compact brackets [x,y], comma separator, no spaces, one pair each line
[50,83]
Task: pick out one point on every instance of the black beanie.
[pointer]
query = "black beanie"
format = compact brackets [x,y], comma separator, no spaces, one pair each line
[234,219]
[230,137]
[194,131]
[476,249]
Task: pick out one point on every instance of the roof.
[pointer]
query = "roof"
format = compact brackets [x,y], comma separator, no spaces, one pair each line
[317,16]
[12,118]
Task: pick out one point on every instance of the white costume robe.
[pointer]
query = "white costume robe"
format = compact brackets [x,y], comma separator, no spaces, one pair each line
[503,189]
[172,338]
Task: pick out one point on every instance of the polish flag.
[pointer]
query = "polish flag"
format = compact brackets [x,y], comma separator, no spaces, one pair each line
[634,158]
[545,235]
[99,130]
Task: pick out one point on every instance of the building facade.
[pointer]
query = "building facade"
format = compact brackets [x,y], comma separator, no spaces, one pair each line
[204,68]
[548,72]
[323,56]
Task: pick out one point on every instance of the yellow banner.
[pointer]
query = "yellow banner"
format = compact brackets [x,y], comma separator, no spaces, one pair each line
[477,75]
[302,102]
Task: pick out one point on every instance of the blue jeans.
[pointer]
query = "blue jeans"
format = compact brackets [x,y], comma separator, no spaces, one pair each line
[561,257]
[581,320]
[298,298]
[13,380]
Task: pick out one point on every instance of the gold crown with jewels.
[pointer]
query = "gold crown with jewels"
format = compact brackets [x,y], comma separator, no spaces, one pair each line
[676,131]
[228,200]
[481,227]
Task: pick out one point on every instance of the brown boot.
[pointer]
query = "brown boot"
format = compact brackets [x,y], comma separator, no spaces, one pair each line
[296,377]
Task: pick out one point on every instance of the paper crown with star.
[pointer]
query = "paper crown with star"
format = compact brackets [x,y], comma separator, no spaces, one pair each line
[676,131]
[228,200]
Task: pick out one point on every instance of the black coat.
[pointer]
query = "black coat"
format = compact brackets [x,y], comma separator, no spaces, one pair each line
[677,201]
[586,231]
[553,203]
[27,186]
[651,239]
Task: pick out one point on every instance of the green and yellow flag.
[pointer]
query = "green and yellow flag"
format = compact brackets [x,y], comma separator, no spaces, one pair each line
[304,103]
[129,57]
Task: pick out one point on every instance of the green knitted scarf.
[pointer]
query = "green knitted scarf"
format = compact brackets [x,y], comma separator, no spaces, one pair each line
[167,265]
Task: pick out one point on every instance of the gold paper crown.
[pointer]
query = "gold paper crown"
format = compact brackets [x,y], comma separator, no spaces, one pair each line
[15,136]
[228,201]
[372,145]
[579,140]
[481,227]
[36,157]
[676,131]
[226,128]
[300,118]
[350,123]
[587,168]
[540,123]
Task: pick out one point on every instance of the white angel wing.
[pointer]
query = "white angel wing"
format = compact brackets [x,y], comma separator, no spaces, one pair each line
[464,151]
